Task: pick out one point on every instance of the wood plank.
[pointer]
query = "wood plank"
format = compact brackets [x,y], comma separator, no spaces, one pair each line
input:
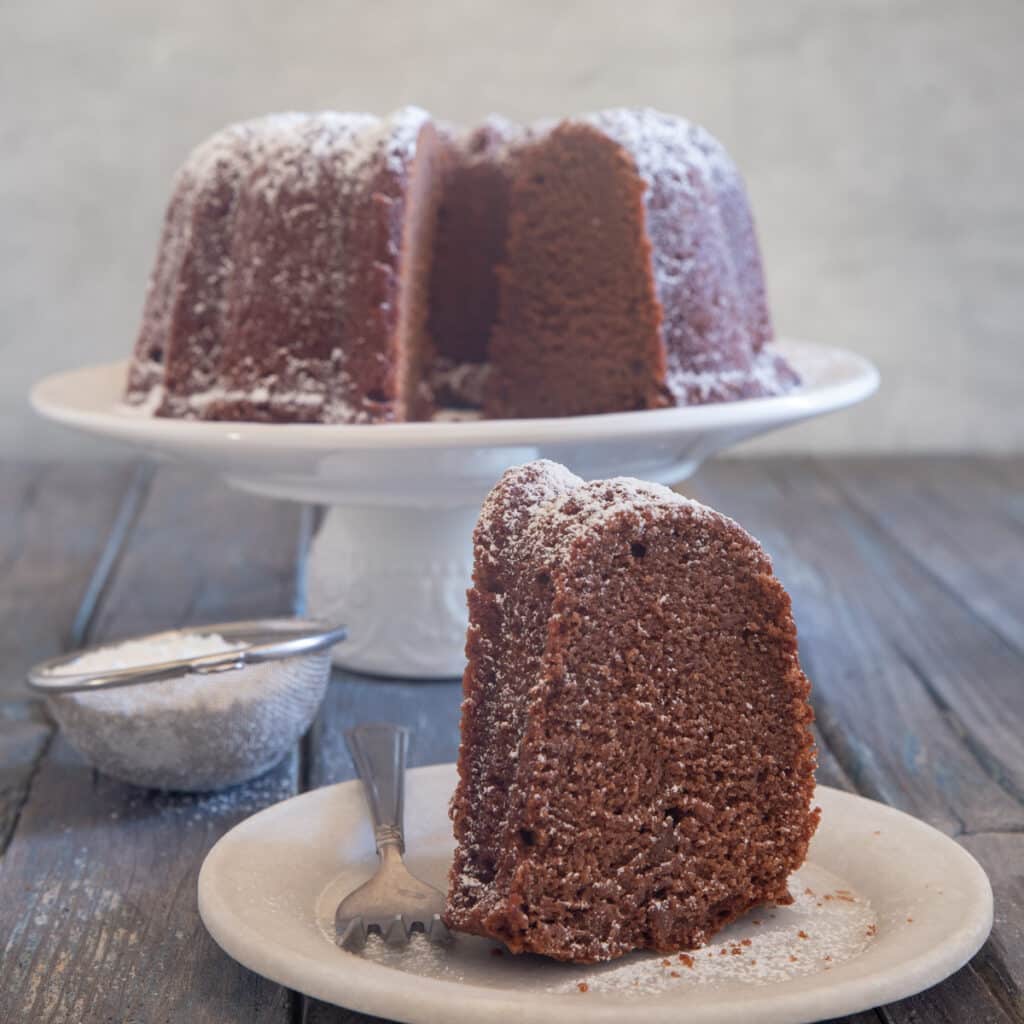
[97,895]
[55,519]
[954,521]
[1008,473]
[98,903]
[963,997]
[24,733]
[430,708]
[55,522]
[1001,962]
[860,602]
[199,552]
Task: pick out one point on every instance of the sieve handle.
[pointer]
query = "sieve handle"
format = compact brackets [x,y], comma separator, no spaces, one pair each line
[379,750]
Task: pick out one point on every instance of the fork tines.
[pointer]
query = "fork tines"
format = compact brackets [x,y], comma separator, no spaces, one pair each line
[395,931]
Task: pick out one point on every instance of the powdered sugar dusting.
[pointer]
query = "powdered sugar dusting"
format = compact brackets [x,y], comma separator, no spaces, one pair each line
[303,146]
[705,260]
[827,925]
[555,506]
[253,260]
[768,374]
[663,143]
[194,731]
[148,651]
[208,288]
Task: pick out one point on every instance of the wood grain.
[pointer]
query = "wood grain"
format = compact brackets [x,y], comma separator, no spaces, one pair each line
[55,519]
[956,522]
[24,732]
[1001,962]
[97,896]
[429,708]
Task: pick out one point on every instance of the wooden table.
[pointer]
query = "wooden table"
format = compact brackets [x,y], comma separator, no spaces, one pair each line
[908,583]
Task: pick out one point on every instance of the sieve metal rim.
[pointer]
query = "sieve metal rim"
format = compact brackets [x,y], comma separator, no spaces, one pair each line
[260,640]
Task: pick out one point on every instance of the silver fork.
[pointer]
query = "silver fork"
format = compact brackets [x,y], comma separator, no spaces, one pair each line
[394,902]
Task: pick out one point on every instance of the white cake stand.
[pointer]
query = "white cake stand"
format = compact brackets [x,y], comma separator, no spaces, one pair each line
[392,560]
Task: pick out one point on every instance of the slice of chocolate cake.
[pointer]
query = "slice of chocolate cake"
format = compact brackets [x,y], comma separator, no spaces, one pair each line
[637,766]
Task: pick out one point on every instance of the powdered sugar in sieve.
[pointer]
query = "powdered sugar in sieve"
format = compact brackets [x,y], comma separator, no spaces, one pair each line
[195,730]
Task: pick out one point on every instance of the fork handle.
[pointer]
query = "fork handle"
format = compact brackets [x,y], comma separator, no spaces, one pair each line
[378,750]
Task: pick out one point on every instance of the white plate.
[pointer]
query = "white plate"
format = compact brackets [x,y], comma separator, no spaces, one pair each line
[449,463]
[896,905]
[407,495]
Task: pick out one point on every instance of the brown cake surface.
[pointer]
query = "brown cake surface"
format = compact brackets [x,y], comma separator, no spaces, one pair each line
[292,276]
[636,767]
[345,268]
[633,277]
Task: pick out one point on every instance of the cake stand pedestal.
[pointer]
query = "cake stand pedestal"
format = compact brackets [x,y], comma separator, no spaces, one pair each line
[397,578]
[393,557]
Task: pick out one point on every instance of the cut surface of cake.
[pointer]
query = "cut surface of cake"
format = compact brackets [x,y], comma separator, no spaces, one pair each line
[346,268]
[637,766]
[633,277]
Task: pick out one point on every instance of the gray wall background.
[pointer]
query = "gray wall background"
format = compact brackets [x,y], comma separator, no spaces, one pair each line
[882,142]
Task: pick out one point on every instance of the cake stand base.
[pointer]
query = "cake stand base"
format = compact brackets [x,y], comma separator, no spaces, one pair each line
[397,578]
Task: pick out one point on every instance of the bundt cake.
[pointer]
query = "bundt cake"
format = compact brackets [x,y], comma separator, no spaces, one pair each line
[636,767]
[344,268]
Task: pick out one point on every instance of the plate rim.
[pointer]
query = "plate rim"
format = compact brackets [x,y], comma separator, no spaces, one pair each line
[859,383]
[455,1003]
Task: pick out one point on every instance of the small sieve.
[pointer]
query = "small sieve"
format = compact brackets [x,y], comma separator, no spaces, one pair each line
[196,723]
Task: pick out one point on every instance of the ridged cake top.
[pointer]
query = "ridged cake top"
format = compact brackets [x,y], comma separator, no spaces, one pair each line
[295,146]
[544,509]
[259,217]
[661,143]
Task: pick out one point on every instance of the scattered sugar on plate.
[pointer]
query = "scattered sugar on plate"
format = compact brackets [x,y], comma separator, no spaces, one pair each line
[767,946]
